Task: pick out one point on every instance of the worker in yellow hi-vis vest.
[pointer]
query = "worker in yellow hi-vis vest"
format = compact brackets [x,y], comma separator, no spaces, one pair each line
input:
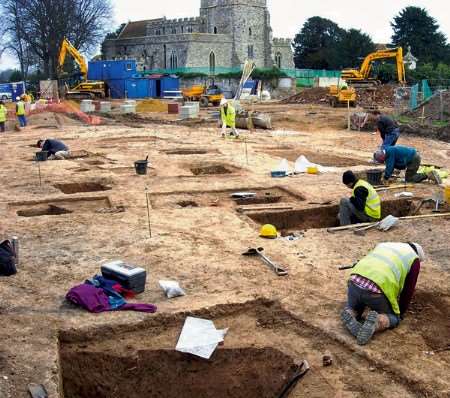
[363,206]
[3,115]
[228,118]
[20,112]
[382,282]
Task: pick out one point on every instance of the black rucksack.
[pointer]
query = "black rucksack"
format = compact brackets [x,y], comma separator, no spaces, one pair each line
[7,259]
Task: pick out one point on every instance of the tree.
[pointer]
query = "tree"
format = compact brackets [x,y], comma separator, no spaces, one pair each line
[315,45]
[353,47]
[116,33]
[414,27]
[42,24]
[16,76]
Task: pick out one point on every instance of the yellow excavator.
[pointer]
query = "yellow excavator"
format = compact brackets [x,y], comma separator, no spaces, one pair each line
[86,89]
[362,77]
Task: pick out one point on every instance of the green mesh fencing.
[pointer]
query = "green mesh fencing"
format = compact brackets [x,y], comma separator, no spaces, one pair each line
[413,100]
[426,90]
[305,77]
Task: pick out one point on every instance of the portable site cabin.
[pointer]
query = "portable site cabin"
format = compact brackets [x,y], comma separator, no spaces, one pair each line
[123,81]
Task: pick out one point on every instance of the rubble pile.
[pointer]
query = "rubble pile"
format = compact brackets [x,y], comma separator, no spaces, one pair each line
[380,96]
[315,95]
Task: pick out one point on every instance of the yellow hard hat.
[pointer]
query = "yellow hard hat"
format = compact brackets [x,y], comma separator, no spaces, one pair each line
[268,231]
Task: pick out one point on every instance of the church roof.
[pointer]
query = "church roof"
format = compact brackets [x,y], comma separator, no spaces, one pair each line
[134,29]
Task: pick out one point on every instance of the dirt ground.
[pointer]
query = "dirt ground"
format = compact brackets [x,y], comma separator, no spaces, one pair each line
[72,216]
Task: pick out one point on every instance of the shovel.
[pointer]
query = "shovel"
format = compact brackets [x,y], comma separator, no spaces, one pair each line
[259,252]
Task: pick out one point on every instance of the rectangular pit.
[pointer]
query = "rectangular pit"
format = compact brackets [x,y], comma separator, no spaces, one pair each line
[189,151]
[222,198]
[327,159]
[57,207]
[77,187]
[320,217]
[262,350]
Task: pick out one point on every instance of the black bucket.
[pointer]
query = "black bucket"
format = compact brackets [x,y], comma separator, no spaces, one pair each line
[141,166]
[41,156]
[374,177]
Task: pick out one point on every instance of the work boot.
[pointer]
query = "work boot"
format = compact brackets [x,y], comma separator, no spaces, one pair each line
[435,177]
[368,328]
[350,322]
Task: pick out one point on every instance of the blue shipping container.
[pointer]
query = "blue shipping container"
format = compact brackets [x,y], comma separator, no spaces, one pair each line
[169,83]
[115,88]
[137,88]
[15,89]
[105,70]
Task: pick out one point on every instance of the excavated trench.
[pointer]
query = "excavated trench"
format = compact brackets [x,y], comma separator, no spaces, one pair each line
[190,151]
[45,210]
[262,196]
[237,373]
[320,217]
[77,187]
[211,170]
[57,207]
[259,357]
[323,158]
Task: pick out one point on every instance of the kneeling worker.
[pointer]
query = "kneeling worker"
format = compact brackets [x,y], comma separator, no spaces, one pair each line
[363,206]
[384,281]
[228,117]
[401,158]
[56,149]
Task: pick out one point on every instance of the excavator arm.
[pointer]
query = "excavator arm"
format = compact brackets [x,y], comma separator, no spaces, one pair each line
[67,47]
[363,74]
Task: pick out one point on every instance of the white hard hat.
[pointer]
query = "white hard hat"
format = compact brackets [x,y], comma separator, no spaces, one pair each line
[17,98]
[223,102]
[419,251]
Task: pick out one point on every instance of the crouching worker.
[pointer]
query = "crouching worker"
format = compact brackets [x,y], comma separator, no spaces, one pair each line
[384,281]
[404,158]
[363,206]
[228,117]
[56,149]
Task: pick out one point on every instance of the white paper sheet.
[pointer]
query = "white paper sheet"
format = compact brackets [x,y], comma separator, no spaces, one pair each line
[200,337]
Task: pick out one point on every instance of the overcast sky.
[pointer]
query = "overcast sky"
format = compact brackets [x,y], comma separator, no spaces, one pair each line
[288,16]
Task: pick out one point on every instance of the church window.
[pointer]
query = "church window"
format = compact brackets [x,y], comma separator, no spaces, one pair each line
[189,29]
[182,29]
[215,30]
[165,56]
[212,63]
[174,31]
[173,60]
[251,51]
[249,31]
[278,59]
[158,32]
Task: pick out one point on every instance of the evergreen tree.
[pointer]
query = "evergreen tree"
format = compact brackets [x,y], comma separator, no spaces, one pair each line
[315,45]
[353,47]
[414,27]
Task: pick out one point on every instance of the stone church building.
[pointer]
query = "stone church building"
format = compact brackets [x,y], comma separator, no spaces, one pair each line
[225,35]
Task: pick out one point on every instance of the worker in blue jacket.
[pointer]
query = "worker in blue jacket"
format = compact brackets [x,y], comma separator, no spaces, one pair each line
[404,158]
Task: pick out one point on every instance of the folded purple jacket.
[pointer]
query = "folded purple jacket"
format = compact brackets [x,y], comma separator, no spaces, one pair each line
[95,300]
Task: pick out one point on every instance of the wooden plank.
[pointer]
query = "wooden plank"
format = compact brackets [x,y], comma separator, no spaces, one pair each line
[346,227]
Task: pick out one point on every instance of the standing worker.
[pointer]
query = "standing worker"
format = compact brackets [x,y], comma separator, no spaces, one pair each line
[20,112]
[384,281]
[404,158]
[3,115]
[228,117]
[363,206]
[388,130]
